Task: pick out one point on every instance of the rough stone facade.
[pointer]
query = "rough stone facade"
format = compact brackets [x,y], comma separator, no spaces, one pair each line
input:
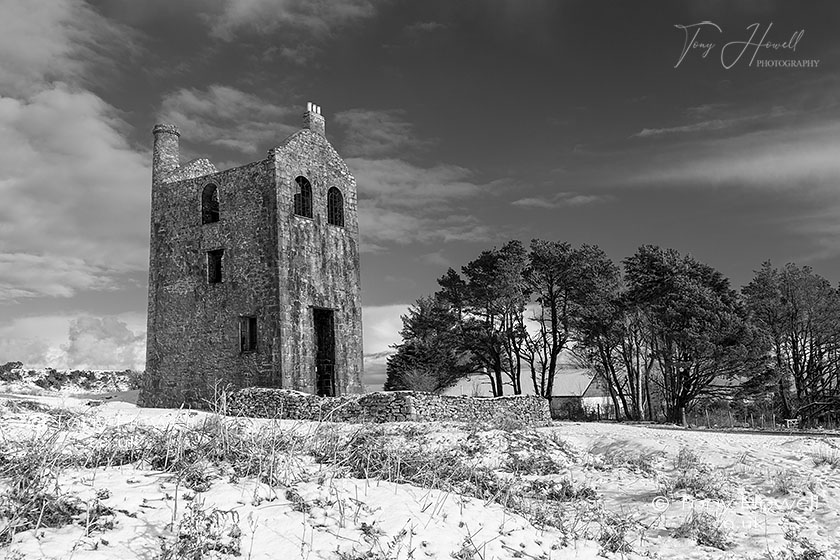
[293,277]
[390,406]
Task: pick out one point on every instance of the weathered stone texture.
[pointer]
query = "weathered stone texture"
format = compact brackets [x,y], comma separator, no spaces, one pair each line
[318,262]
[276,266]
[386,406]
[191,170]
[165,153]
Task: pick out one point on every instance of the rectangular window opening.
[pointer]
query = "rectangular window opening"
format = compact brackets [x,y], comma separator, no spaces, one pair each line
[248,334]
[214,266]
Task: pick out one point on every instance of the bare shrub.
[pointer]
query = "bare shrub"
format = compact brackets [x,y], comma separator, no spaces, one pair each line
[687,460]
[798,547]
[640,462]
[506,424]
[535,454]
[25,405]
[787,482]
[201,532]
[33,497]
[369,454]
[615,532]
[696,478]
[419,380]
[58,417]
[563,491]
[199,453]
[827,456]
[376,548]
[706,529]
[535,464]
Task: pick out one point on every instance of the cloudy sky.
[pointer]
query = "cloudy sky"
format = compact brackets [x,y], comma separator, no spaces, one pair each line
[466,124]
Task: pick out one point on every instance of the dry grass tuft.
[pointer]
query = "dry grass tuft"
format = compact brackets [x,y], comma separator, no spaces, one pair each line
[615,533]
[695,478]
[706,529]
[202,532]
[33,498]
[827,456]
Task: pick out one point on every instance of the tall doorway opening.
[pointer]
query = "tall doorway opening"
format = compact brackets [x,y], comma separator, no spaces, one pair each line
[324,351]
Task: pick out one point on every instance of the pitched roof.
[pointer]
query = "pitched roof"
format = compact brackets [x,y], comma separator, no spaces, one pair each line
[572,382]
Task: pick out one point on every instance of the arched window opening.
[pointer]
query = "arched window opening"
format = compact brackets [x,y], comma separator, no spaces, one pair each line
[335,207]
[303,197]
[210,204]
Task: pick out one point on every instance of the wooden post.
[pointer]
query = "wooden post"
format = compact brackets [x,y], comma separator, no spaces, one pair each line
[708,423]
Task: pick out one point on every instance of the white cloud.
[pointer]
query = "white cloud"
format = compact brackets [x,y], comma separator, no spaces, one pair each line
[25,275]
[227,117]
[405,203]
[75,341]
[723,119]
[382,325]
[436,258]
[299,17]
[560,200]
[702,126]
[75,193]
[373,133]
[104,343]
[419,27]
[402,184]
[785,158]
[47,40]
[798,160]
[35,341]
[705,110]
[381,226]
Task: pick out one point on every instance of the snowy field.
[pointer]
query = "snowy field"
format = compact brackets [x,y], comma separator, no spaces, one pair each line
[111,480]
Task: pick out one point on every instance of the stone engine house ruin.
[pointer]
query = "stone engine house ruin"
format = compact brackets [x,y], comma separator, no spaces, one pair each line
[254,272]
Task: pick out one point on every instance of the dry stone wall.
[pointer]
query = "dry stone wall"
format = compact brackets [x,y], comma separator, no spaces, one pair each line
[390,406]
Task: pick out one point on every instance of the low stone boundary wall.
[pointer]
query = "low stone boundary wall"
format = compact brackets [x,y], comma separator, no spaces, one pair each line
[386,406]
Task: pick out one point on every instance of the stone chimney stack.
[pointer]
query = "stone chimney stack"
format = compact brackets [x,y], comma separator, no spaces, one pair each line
[166,152]
[313,120]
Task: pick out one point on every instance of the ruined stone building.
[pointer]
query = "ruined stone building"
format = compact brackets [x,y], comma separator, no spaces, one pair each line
[254,272]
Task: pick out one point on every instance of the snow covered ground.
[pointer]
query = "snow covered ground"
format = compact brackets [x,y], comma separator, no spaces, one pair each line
[84,480]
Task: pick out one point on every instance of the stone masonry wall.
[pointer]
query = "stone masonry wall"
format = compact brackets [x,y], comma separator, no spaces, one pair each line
[386,406]
[193,325]
[278,268]
[317,264]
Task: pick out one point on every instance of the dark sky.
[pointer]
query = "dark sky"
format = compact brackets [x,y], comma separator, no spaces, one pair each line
[465,123]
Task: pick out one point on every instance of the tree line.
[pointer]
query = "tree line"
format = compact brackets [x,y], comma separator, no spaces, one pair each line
[662,332]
